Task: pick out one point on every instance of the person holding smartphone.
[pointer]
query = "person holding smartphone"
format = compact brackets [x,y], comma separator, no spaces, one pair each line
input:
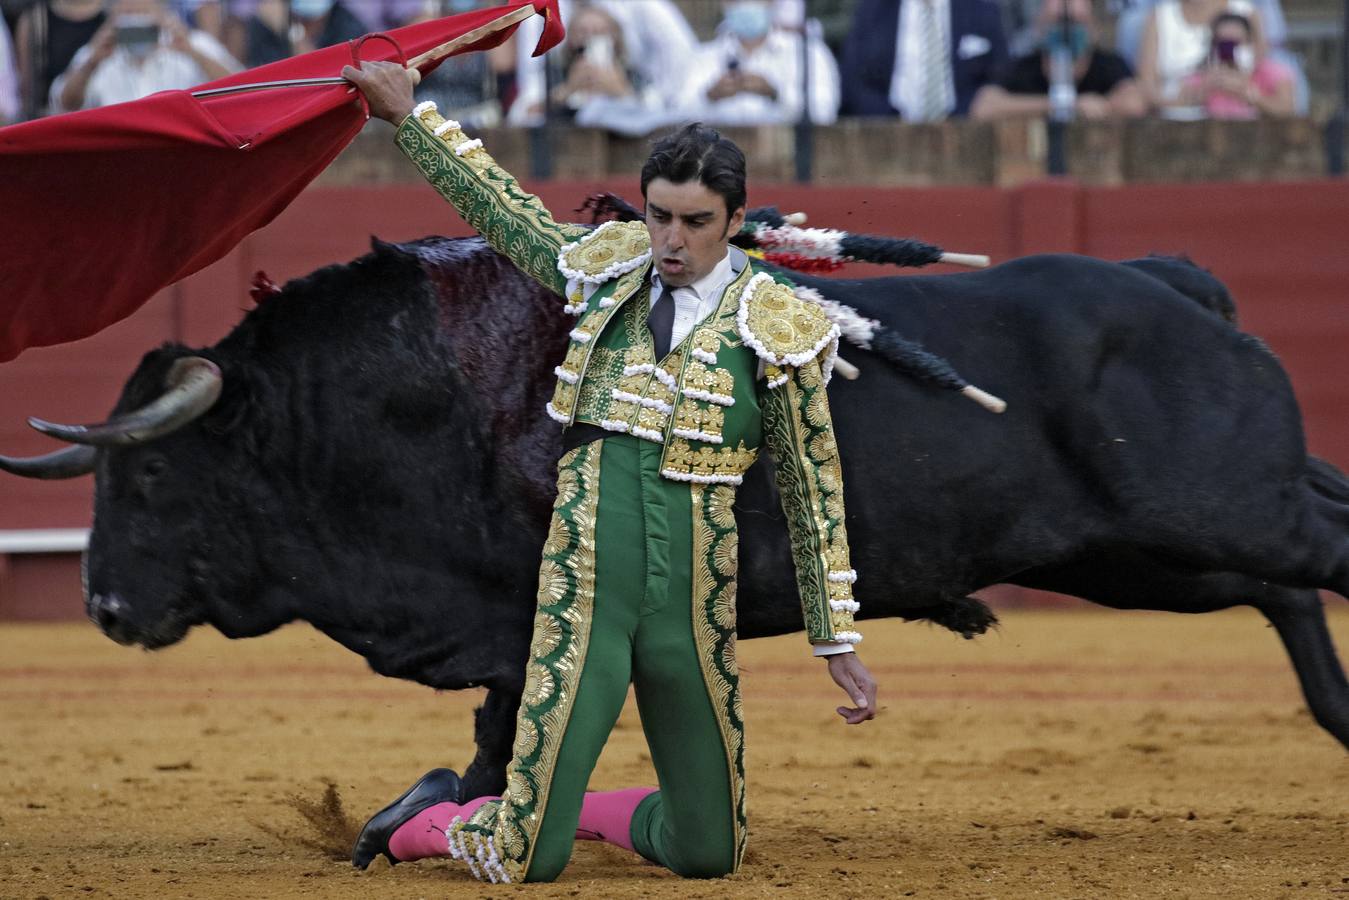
[1236,81]
[596,67]
[141,49]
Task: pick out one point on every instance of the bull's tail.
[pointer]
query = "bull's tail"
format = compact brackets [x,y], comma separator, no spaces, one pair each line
[966,616]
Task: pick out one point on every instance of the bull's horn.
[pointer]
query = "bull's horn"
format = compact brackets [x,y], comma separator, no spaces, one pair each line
[68,462]
[192,385]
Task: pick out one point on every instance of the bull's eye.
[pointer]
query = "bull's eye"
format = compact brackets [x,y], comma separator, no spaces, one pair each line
[152,468]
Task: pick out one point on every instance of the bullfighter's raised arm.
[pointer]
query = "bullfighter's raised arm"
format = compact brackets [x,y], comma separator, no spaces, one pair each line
[512,220]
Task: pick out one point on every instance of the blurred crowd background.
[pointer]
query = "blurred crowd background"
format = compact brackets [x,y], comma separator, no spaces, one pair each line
[632,66]
[829,91]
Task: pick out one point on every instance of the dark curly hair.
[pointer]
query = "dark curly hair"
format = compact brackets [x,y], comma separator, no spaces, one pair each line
[696,152]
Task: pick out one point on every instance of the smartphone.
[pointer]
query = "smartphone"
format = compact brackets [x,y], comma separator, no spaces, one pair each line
[1227,52]
[136,31]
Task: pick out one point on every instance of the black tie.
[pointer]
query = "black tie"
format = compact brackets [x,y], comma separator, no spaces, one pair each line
[661,321]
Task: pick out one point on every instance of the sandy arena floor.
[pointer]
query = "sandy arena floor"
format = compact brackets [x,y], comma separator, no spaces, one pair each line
[1073,754]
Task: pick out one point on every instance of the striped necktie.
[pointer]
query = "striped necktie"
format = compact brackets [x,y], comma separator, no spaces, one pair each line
[936,63]
[661,321]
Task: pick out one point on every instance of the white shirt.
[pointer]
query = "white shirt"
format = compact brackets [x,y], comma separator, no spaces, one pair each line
[9,79]
[778,61]
[909,80]
[696,301]
[121,77]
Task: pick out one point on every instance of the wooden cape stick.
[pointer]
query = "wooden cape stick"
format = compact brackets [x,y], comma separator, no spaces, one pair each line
[433,55]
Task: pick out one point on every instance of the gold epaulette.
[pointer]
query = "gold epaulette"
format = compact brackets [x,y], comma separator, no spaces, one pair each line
[613,249]
[782,328]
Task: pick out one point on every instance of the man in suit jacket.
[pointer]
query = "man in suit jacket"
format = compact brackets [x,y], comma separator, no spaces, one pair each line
[922,60]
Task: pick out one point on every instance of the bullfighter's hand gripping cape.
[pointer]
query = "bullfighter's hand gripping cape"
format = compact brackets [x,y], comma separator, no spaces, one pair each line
[99,209]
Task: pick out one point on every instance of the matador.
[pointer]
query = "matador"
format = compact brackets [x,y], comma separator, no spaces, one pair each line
[686,357]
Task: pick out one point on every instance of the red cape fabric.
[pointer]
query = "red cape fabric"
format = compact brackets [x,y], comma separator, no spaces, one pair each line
[99,209]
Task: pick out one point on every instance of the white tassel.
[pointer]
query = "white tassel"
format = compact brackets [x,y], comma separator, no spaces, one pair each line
[700,394]
[695,435]
[702,479]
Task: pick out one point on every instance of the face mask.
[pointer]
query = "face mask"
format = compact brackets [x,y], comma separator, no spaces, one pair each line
[1077,41]
[748,21]
[310,9]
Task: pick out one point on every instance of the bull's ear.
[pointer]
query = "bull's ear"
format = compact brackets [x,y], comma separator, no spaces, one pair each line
[229,413]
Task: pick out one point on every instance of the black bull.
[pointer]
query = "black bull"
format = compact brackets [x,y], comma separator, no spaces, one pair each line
[378,464]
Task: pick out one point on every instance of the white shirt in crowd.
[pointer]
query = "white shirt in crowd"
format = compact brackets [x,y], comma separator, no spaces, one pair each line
[1182,47]
[914,65]
[123,77]
[778,61]
[9,78]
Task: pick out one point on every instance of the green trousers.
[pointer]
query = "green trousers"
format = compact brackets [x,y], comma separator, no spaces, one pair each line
[636,586]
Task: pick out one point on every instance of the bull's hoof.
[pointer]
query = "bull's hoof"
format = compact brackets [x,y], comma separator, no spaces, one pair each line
[436,786]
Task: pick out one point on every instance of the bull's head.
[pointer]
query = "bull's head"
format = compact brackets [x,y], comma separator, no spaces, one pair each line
[140,487]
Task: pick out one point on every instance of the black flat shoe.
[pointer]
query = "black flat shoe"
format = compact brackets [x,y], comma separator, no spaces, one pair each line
[436,786]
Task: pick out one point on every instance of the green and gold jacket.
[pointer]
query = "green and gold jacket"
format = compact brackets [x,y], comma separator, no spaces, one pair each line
[755,369]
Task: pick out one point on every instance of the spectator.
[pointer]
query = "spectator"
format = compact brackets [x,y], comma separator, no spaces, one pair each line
[141,49]
[203,15]
[922,60]
[275,32]
[659,45]
[597,63]
[1134,16]
[467,87]
[9,79]
[750,74]
[1235,82]
[1176,41]
[46,39]
[1105,83]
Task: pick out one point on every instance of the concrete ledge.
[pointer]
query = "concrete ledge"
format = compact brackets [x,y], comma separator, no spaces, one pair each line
[883,153]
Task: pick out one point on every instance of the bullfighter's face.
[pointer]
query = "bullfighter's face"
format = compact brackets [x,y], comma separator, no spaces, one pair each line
[689,229]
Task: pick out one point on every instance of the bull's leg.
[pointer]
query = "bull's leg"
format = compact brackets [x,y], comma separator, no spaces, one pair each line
[1131,579]
[494,733]
[1301,623]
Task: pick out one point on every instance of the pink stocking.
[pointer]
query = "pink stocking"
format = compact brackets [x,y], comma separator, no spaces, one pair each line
[607,815]
[423,835]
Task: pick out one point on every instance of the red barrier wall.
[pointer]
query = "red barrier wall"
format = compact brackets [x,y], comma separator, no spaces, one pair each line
[1279,247]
